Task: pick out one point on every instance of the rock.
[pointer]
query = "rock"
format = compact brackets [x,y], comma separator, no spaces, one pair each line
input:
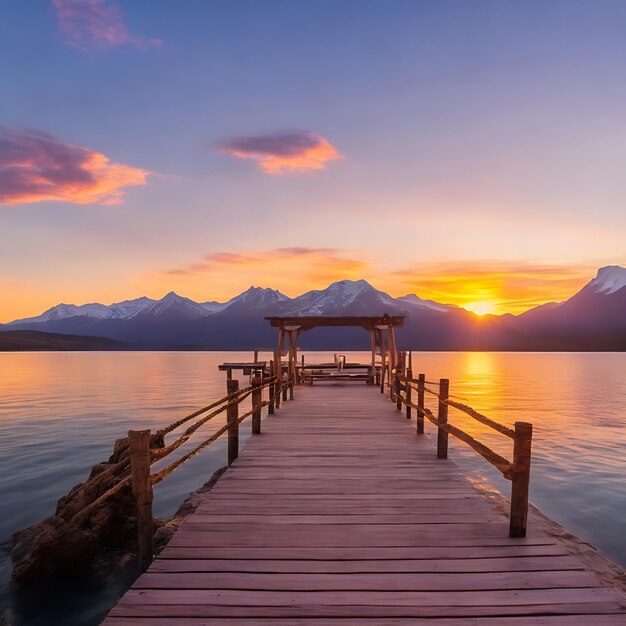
[66,545]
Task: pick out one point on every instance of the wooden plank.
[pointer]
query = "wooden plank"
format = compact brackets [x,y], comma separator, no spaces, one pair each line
[441,600]
[441,553]
[537,620]
[177,611]
[439,582]
[503,564]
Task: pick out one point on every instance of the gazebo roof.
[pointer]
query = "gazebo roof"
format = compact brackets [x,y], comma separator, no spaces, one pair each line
[369,322]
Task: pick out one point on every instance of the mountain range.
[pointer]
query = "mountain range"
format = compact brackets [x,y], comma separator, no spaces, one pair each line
[592,319]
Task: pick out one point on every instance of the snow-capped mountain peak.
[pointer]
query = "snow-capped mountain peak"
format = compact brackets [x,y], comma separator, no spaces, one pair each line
[259,296]
[353,297]
[415,300]
[172,303]
[609,279]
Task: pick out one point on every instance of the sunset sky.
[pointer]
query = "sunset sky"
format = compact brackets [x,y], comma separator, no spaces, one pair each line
[472,152]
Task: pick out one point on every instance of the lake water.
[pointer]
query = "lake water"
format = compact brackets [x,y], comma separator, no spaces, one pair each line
[61,412]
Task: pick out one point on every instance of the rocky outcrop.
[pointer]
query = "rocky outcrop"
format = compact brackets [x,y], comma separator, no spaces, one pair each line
[79,540]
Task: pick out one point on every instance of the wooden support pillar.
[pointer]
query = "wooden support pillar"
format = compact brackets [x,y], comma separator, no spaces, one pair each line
[232,416]
[399,373]
[409,391]
[521,478]
[290,355]
[277,382]
[139,451]
[272,390]
[373,361]
[442,419]
[393,360]
[293,359]
[257,398]
[381,346]
[421,383]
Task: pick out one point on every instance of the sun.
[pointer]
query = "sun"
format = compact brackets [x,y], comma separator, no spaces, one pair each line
[483,307]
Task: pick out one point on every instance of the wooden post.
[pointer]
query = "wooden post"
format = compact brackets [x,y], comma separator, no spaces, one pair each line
[421,383]
[398,389]
[409,375]
[373,366]
[442,419]
[291,389]
[278,374]
[272,389]
[521,479]
[257,398]
[381,345]
[232,416]
[302,370]
[283,383]
[399,372]
[393,359]
[139,451]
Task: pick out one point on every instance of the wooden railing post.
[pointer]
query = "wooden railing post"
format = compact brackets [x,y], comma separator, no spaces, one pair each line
[407,393]
[279,377]
[139,451]
[272,389]
[291,388]
[257,398]
[421,383]
[283,382]
[521,478]
[442,419]
[398,390]
[232,416]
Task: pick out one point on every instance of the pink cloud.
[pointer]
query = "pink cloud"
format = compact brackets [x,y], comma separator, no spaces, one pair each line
[37,167]
[283,153]
[95,24]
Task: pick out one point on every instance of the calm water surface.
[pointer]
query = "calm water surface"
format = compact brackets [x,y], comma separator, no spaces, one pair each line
[61,412]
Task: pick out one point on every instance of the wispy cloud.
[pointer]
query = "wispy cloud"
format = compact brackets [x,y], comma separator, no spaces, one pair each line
[95,24]
[36,167]
[510,286]
[283,153]
[292,270]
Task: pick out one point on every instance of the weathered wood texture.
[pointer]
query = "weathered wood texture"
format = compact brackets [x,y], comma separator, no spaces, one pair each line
[340,514]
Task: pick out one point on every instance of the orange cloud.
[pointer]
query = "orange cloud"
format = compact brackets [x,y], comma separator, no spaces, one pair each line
[37,167]
[283,153]
[291,270]
[494,286]
[95,24]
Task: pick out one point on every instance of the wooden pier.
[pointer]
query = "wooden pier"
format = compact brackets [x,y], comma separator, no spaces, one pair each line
[340,512]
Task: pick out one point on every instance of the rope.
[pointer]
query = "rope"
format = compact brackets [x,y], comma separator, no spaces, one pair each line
[230,396]
[505,430]
[166,471]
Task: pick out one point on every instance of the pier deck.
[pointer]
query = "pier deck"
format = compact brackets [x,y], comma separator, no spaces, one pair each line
[339,513]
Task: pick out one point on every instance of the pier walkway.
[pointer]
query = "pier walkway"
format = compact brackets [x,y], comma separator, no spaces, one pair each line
[338,513]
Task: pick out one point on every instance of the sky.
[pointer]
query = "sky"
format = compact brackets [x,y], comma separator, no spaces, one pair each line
[470,152]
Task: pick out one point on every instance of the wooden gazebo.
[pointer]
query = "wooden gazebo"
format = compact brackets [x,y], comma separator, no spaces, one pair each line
[377,326]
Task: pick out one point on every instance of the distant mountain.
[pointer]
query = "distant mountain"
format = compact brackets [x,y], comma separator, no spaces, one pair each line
[593,319]
[33,340]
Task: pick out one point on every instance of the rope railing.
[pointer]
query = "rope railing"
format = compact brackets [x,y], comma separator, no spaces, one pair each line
[134,470]
[517,471]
